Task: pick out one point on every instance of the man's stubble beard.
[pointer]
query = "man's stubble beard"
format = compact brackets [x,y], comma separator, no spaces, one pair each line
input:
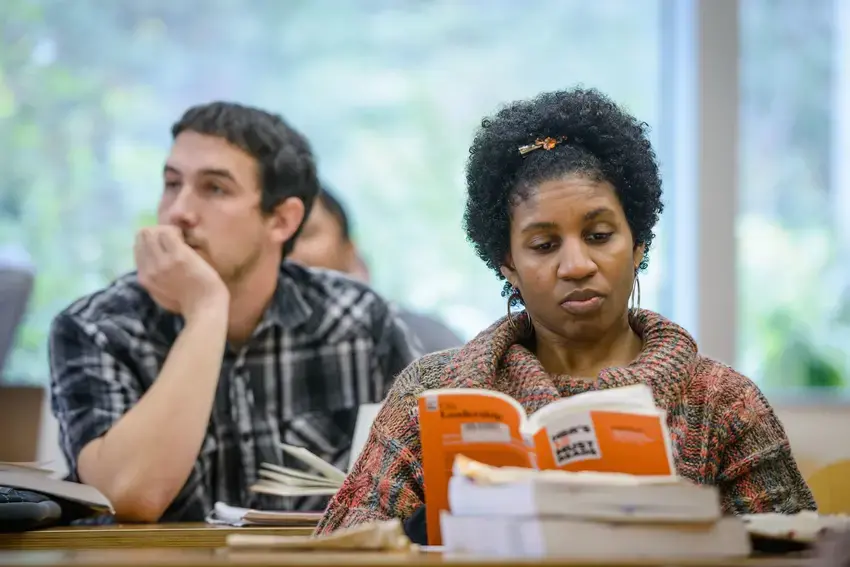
[238,273]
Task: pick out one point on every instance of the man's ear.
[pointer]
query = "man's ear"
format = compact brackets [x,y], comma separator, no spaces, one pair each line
[638,255]
[286,218]
[358,268]
[348,253]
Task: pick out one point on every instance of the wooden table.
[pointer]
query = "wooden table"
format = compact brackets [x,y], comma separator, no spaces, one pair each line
[225,558]
[136,535]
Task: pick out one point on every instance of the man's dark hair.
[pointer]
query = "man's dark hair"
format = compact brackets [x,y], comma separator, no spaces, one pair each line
[285,161]
[337,211]
[600,140]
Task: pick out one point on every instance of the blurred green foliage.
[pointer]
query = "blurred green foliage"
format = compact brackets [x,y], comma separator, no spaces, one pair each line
[389,94]
[793,278]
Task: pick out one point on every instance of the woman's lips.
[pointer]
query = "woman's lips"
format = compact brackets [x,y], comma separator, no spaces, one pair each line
[583,306]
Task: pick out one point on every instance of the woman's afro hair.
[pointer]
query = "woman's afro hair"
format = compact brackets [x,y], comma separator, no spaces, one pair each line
[600,140]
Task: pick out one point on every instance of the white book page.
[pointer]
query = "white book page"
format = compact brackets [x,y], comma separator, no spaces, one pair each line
[365,418]
[632,399]
[290,477]
[316,463]
[278,489]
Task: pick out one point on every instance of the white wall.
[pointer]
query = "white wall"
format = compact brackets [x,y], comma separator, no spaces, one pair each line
[814,432]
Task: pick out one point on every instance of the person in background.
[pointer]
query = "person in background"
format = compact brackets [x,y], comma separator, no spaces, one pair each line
[563,194]
[175,383]
[326,243]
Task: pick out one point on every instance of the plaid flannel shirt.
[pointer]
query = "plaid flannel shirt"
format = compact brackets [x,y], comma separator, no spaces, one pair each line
[325,345]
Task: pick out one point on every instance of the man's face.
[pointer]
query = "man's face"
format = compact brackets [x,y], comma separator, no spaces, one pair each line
[322,244]
[211,192]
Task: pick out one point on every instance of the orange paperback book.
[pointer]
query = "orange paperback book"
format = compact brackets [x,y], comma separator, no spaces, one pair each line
[616,430]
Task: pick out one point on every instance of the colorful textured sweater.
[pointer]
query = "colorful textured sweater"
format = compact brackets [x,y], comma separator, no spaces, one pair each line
[723,430]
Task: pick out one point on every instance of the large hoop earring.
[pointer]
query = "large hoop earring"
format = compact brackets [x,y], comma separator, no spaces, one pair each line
[634,306]
[515,295]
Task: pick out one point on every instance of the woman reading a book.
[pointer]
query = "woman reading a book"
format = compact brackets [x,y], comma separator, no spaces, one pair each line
[563,197]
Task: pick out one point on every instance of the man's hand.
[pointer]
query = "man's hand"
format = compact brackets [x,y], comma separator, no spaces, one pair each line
[145,458]
[176,276]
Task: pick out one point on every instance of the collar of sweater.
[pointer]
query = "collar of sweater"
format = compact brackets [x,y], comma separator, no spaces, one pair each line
[496,360]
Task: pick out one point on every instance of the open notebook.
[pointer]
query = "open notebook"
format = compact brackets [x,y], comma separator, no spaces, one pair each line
[323,479]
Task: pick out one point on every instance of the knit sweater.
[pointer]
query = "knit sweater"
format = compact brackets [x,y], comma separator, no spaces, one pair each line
[723,430]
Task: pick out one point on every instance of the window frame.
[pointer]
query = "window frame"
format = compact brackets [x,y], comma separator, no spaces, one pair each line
[699,156]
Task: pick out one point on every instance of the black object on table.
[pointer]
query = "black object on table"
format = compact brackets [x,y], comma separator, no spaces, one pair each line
[22,510]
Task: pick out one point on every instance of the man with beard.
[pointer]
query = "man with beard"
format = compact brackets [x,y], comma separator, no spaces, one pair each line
[173,384]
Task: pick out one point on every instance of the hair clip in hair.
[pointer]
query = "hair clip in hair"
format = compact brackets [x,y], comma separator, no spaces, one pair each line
[544,143]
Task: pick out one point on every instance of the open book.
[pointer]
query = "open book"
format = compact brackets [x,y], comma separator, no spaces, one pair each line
[325,479]
[616,430]
[35,478]
[222,514]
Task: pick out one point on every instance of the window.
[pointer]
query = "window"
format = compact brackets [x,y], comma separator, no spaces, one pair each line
[388,93]
[793,244]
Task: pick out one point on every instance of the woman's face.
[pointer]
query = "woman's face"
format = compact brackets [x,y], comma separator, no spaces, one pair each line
[572,257]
